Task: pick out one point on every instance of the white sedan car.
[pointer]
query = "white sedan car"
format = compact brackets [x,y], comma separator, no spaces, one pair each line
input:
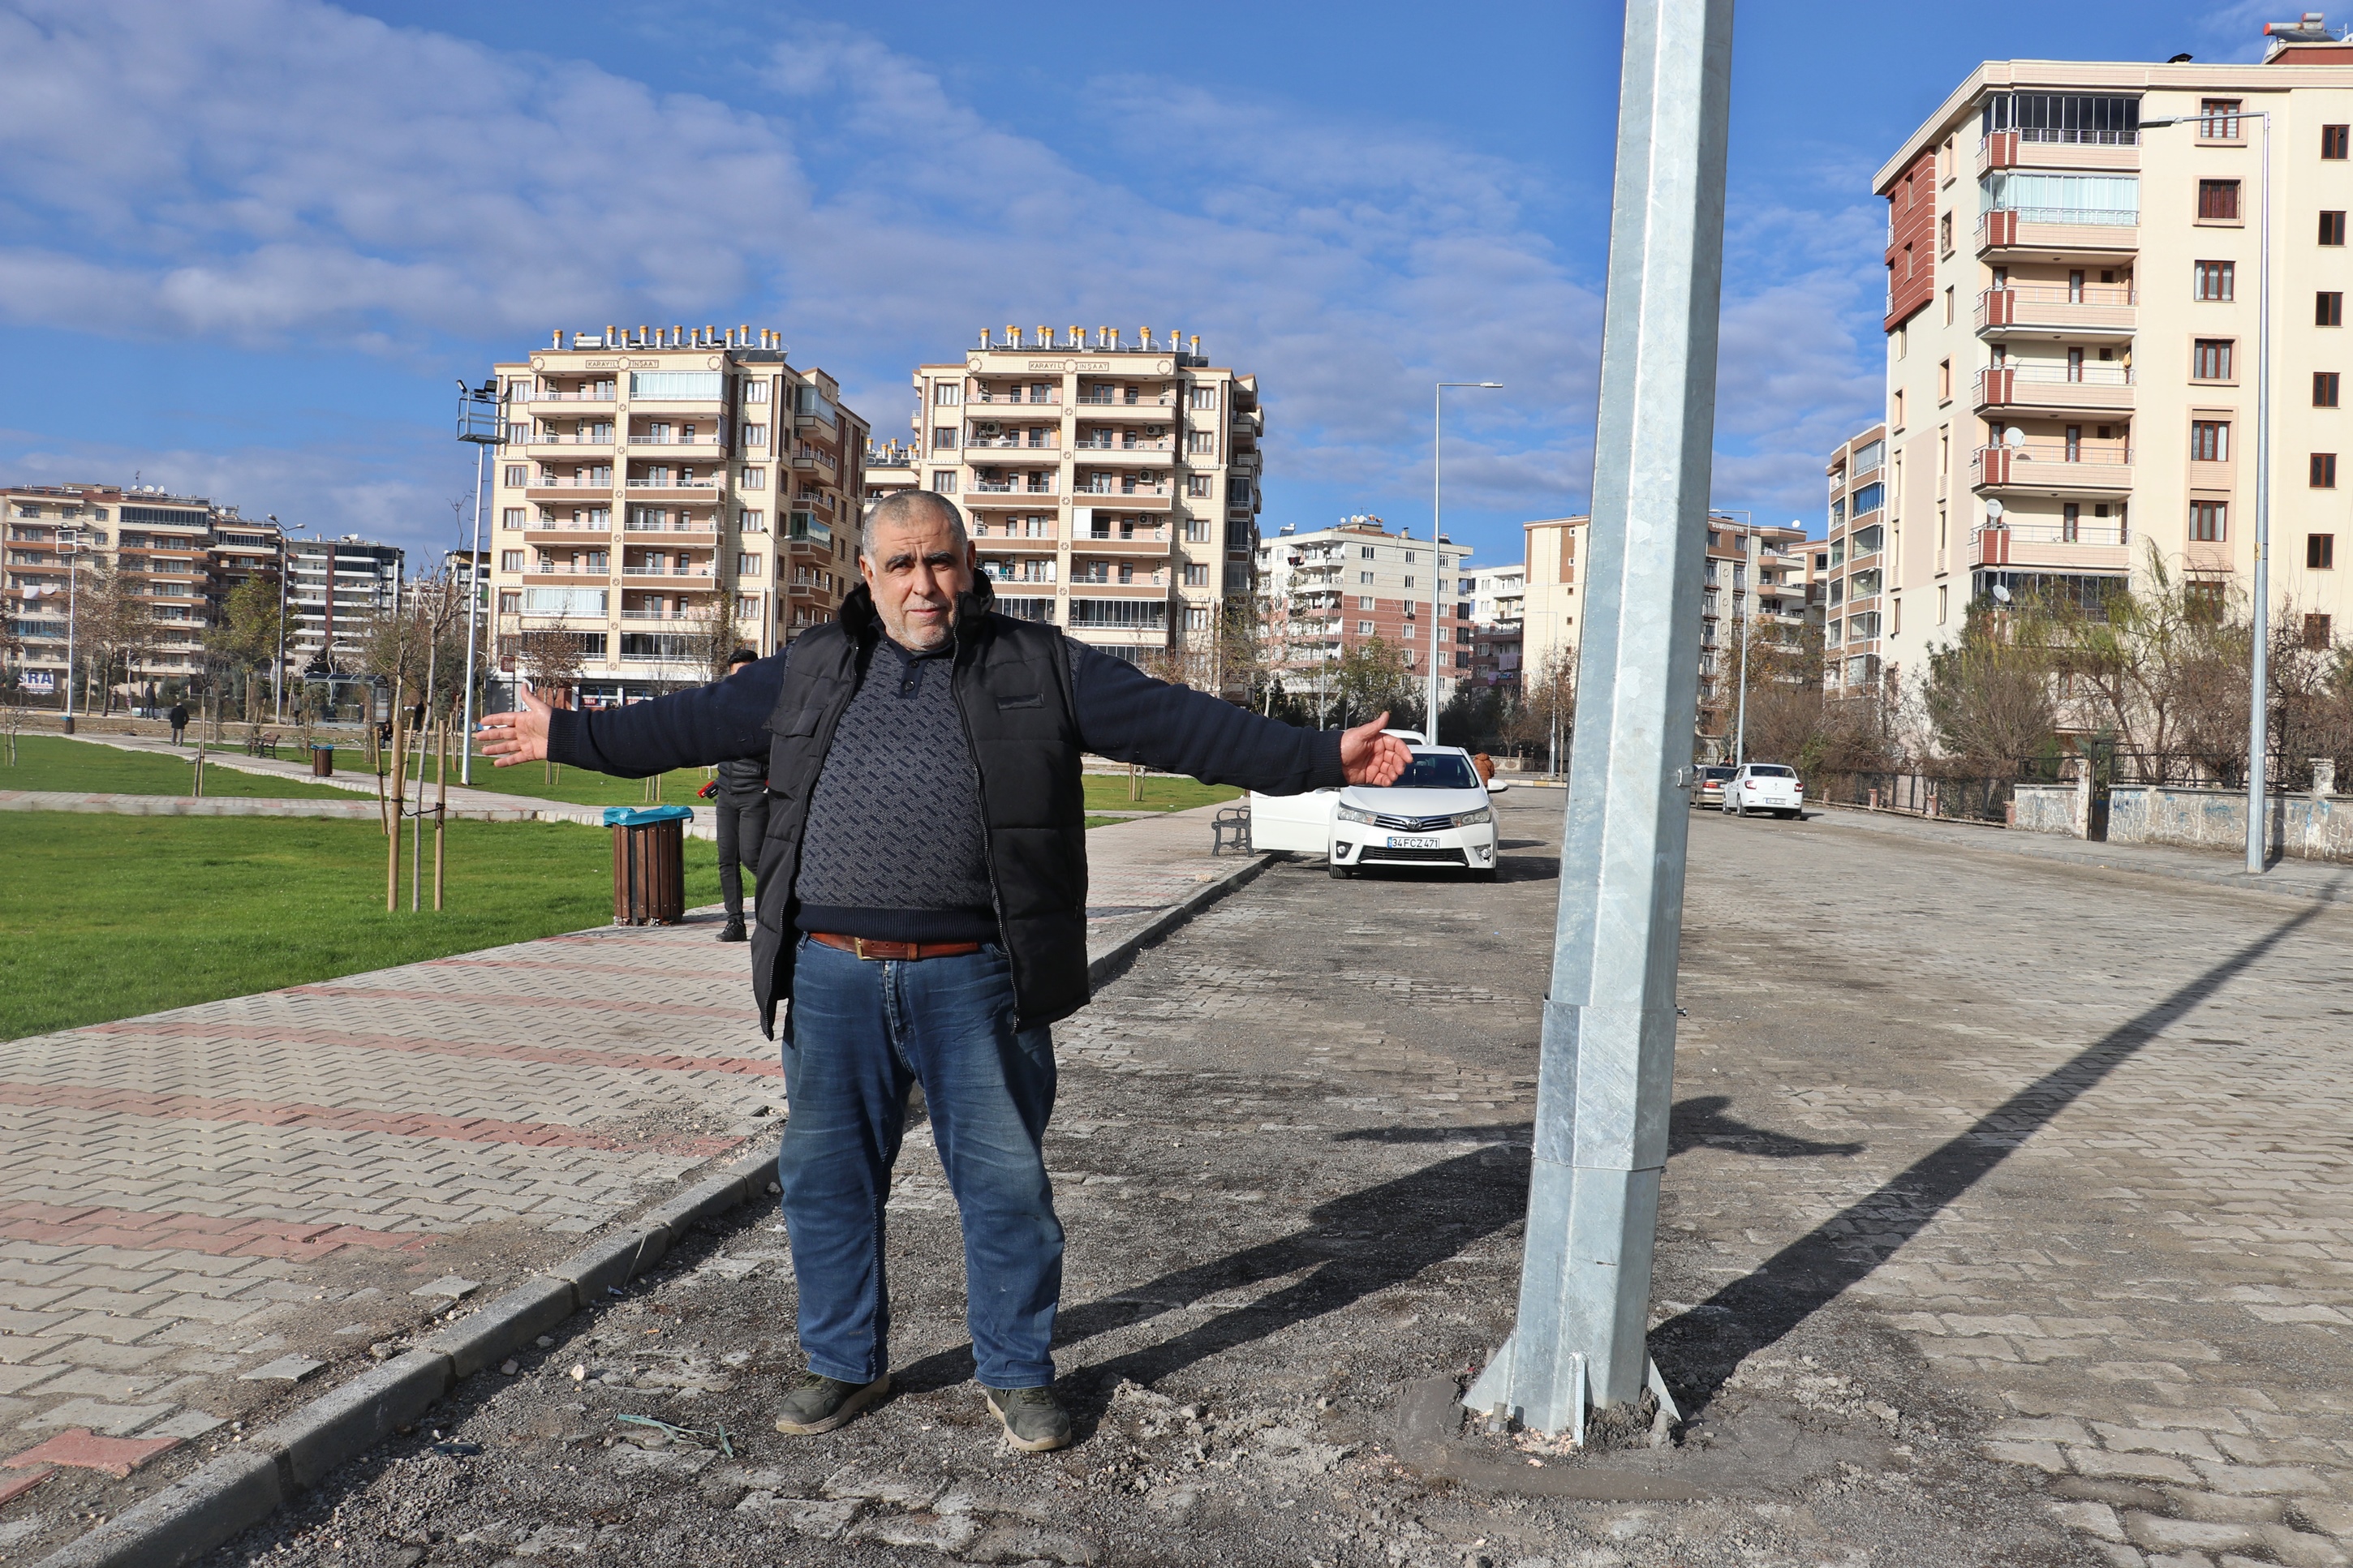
[1437,813]
[1765,786]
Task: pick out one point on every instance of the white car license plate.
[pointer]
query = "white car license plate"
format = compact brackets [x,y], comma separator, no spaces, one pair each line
[1399,842]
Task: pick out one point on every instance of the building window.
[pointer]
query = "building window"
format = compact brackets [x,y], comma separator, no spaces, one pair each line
[1196,530]
[946,393]
[944,481]
[2333,139]
[1944,235]
[756,436]
[944,438]
[2218,119]
[518,474]
[512,517]
[2209,441]
[1895,417]
[510,602]
[2218,201]
[2211,359]
[2332,228]
[752,478]
[750,521]
[2204,602]
[2324,389]
[1364,601]
[1196,576]
[510,560]
[1948,305]
[1363,628]
[1204,398]
[1201,442]
[2328,309]
[2208,521]
[1944,381]
[2216,281]
[1944,591]
[747,563]
[2320,551]
[2323,470]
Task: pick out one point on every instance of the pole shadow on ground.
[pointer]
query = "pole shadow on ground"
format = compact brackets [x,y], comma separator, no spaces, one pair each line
[1699,1348]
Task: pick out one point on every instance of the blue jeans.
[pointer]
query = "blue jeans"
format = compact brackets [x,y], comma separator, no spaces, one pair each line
[859,1034]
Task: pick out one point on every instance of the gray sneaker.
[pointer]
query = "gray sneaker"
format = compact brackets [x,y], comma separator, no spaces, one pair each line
[1034,1423]
[815,1402]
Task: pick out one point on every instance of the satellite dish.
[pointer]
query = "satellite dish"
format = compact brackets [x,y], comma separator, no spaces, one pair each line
[2002,593]
[1993,511]
[2013,436]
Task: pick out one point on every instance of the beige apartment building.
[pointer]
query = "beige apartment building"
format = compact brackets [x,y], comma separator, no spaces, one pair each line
[2073,345]
[1336,588]
[1112,481]
[1849,565]
[646,470]
[1754,575]
[177,555]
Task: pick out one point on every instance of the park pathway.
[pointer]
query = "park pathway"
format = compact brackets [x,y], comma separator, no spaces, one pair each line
[208,1212]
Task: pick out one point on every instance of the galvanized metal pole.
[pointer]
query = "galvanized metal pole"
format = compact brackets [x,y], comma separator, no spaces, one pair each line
[1607,1070]
[2259,683]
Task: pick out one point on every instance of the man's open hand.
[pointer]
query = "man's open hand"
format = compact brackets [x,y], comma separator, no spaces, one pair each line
[510,738]
[1369,757]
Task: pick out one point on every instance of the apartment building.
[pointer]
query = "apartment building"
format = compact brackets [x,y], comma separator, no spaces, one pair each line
[1754,575]
[2072,345]
[649,471]
[1336,588]
[334,588]
[1851,563]
[1111,482]
[890,467]
[1497,604]
[178,556]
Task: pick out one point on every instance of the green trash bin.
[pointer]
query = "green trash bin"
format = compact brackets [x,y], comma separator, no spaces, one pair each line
[648,863]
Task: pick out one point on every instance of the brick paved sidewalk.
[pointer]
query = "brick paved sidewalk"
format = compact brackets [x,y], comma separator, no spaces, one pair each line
[189,1199]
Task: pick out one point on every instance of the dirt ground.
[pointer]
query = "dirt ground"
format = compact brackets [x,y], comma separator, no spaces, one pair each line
[1290,1151]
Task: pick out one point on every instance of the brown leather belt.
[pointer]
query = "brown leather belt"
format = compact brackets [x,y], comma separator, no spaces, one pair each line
[868,947]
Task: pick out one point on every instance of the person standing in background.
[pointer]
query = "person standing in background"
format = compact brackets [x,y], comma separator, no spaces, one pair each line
[740,795]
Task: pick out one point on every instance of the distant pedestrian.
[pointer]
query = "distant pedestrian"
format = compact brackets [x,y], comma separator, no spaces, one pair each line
[178,717]
[1486,766]
[923,903]
[742,801]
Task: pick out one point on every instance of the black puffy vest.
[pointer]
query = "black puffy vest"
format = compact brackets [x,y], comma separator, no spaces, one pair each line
[1011,682]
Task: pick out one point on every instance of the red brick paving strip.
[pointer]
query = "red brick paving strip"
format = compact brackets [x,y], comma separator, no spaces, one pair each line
[560,1056]
[164,1230]
[118,1457]
[403,1124]
[521,999]
[16,1487]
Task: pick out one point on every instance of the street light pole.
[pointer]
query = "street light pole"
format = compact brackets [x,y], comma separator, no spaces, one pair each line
[1438,538]
[1604,1077]
[2259,659]
[470,428]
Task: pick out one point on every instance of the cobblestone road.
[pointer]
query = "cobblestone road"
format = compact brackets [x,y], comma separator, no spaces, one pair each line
[2007,1223]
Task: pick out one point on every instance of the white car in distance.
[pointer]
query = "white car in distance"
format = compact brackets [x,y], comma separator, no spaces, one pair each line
[1765,786]
[1437,813]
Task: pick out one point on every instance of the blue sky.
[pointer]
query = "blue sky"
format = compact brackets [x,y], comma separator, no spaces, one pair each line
[247,246]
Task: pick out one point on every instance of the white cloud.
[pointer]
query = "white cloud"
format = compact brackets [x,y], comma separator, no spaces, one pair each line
[283,174]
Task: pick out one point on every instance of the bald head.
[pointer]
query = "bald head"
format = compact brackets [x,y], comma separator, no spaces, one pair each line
[909,508]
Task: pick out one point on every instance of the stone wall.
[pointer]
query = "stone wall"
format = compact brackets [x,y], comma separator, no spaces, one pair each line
[2302,826]
[2047,808]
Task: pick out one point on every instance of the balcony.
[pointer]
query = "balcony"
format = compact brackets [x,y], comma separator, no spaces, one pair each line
[658,437]
[673,482]
[1136,544]
[2058,150]
[1102,399]
[1052,443]
[1014,543]
[2056,389]
[1153,585]
[599,436]
[1013,398]
[1012,487]
[675,525]
[2088,311]
[2055,468]
[2058,232]
[2093,544]
[1153,450]
[602,392]
[1114,491]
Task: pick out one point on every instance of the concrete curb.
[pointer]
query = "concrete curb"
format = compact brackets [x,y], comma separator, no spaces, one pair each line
[297,1452]
[1101,970]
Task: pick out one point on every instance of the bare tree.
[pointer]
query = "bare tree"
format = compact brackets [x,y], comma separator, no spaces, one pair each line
[550,659]
[1989,695]
[1546,717]
[710,633]
[117,625]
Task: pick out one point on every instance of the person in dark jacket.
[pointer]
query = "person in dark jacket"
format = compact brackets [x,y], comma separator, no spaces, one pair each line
[741,802]
[922,903]
[178,719]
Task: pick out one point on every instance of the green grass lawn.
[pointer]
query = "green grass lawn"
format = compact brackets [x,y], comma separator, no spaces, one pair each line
[53,762]
[1108,792]
[107,917]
